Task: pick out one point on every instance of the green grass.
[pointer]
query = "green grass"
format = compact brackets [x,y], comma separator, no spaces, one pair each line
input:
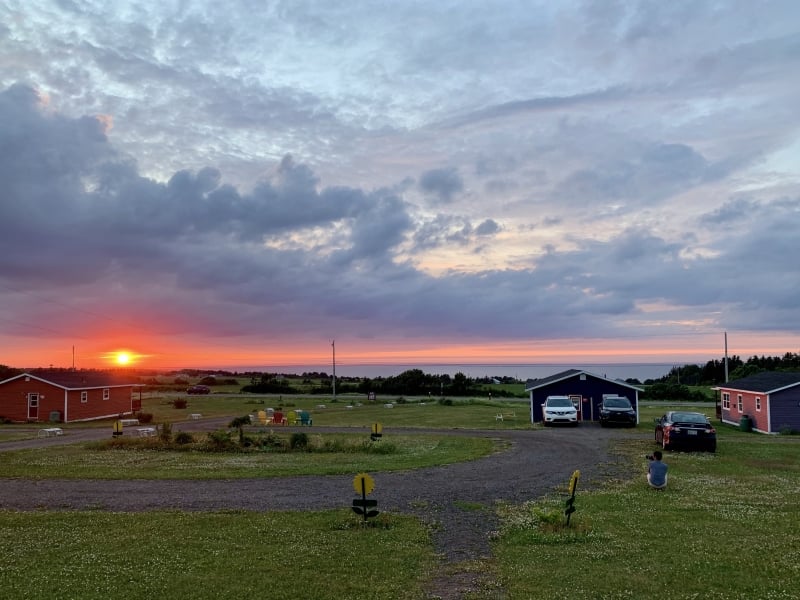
[197,556]
[464,413]
[727,526]
[143,461]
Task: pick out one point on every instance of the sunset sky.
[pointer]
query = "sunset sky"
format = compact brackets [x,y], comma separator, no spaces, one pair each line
[222,184]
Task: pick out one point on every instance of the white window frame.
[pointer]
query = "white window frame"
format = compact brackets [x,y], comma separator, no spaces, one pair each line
[84,397]
[739,403]
[758,403]
[106,394]
[726,400]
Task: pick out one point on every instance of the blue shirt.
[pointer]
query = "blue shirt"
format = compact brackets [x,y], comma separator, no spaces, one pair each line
[658,473]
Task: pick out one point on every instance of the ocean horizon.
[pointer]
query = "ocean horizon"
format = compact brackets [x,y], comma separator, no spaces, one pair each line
[520,371]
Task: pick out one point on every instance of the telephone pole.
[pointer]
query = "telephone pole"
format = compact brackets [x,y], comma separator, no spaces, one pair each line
[333,346]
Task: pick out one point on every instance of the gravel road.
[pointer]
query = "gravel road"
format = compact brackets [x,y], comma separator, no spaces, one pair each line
[534,463]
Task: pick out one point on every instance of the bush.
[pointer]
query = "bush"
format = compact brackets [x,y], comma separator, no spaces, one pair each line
[181,381]
[220,441]
[183,438]
[166,432]
[298,441]
[272,441]
[179,403]
[239,422]
[145,417]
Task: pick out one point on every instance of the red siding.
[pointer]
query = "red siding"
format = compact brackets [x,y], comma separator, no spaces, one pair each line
[760,418]
[118,403]
[14,401]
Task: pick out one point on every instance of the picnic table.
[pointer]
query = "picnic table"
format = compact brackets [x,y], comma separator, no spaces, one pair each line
[50,432]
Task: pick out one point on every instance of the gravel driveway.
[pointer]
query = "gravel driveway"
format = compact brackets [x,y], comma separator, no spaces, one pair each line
[535,463]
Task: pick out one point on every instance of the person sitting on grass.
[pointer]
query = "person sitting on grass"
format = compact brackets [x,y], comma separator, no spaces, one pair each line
[657,471]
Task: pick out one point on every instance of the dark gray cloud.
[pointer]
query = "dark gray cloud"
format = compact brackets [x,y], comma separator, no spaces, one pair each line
[442,185]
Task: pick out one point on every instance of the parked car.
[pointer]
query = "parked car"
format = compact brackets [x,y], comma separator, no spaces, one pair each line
[684,430]
[559,410]
[617,410]
[199,389]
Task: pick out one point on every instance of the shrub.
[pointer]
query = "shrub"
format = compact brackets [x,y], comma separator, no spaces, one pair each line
[179,403]
[145,417]
[166,432]
[298,441]
[181,381]
[239,422]
[220,441]
[184,437]
[272,441]
[445,401]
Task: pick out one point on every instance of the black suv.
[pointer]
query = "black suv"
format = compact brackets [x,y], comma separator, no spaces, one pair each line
[617,410]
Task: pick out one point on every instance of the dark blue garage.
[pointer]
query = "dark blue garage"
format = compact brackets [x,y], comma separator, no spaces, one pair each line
[583,388]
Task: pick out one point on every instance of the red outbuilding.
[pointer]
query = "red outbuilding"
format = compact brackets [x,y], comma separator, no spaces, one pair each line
[65,396]
[767,402]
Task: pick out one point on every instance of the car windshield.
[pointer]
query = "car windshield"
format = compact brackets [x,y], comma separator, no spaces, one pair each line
[689,417]
[617,403]
[559,402]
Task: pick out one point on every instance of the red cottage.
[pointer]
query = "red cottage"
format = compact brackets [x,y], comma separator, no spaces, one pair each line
[66,396]
[771,400]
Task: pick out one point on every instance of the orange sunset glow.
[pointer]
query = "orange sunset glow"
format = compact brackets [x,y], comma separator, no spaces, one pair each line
[191,354]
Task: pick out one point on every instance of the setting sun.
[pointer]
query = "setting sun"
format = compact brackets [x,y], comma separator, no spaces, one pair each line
[123,358]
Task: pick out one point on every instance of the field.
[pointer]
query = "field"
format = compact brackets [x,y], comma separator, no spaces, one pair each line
[727,527]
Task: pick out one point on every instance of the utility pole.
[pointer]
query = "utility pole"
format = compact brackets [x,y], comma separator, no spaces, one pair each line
[333,346]
[726,357]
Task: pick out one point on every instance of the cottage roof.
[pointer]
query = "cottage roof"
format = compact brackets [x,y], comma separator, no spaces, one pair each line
[766,382]
[79,380]
[533,384]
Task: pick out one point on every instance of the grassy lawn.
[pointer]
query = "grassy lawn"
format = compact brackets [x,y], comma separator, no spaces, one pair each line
[142,460]
[197,556]
[472,413]
[728,526]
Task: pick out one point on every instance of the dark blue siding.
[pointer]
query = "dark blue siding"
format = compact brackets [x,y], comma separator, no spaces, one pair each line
[591,389]
[785,410]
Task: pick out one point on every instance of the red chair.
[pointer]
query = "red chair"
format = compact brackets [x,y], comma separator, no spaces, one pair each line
[278,418]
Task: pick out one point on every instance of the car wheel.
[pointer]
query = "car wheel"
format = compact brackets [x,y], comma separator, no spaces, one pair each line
[664,444]
[659,435]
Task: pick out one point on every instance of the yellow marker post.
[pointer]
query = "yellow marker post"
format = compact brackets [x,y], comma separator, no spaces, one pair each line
[117,430]
[573,482]
[573,485]
[364,484]
[377,431]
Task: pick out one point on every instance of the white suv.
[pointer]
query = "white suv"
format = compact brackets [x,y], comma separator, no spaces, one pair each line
[559,409]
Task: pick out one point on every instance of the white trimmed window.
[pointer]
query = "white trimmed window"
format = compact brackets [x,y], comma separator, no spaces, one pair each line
[758,403]
[726,400]
[739,402]
[84,397]
[106,393]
